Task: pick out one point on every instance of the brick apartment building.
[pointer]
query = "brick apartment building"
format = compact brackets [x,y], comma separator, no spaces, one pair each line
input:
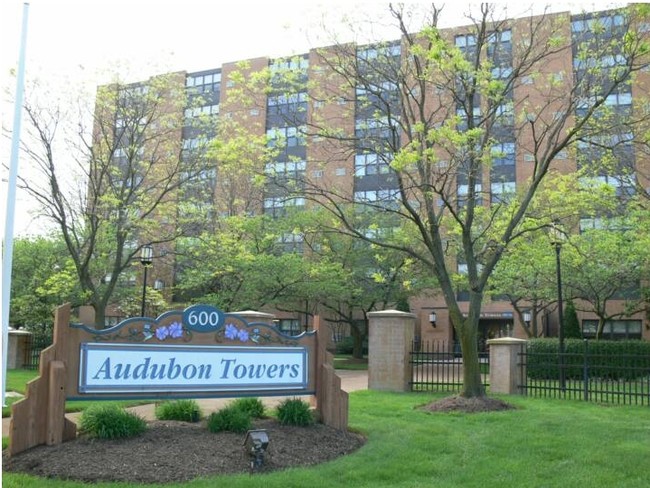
[287,116]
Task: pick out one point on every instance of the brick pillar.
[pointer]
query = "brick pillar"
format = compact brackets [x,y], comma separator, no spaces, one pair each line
[506,372]
[391,335]
[17,347]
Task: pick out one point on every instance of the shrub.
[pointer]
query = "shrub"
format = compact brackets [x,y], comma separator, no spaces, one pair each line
[111,422]
[229,419]
[346,346]
[611,360]
[252,406]
[295,412]
[571,322]
[183,410]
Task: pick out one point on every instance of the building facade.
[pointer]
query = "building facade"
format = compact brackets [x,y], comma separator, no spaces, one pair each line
[302,100]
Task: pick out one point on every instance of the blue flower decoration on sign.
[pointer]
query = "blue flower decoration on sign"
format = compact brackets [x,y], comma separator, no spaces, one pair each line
[173,330]
[233,333]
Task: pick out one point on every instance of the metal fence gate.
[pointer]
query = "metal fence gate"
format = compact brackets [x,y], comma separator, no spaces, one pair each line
[33,349]
[589,373]
[438,366]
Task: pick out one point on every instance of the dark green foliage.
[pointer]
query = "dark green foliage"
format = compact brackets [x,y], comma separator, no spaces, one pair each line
[230,419]
[183,410]
[295,412]
[346,346]
[252,406]
[111,422]
[606,360]
[402,305]
[571,322]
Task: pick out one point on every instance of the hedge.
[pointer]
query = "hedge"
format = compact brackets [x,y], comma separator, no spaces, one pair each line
[606,360]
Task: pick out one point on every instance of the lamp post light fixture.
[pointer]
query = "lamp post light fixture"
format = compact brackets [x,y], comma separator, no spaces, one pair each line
[527,317]
[146,258]
[255,445]
[432,319]
[557,239]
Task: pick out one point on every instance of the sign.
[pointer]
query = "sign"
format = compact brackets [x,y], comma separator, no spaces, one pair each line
[197,352]
[129,368]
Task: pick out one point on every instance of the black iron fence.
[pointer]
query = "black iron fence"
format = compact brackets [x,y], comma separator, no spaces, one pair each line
[438,366]
[33,349]
[588,371]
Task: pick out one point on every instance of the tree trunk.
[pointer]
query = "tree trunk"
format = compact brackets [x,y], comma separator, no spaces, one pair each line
[100,314]
[357,344]
[468,336]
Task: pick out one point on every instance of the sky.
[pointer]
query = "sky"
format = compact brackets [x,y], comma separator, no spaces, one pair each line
[73,46]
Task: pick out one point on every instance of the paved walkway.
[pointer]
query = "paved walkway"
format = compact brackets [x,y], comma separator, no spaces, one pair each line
[350,381]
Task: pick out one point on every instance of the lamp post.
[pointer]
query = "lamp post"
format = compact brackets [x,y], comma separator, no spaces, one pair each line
[557,239]
[432,319]
[527,316]
[146,258]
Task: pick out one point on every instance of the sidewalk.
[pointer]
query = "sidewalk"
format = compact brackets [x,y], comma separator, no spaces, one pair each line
[350,381]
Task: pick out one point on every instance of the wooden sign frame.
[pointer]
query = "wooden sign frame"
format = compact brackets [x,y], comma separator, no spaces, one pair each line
[39,418]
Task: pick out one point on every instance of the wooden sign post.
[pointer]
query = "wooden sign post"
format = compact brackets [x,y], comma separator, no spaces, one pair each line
[200,352]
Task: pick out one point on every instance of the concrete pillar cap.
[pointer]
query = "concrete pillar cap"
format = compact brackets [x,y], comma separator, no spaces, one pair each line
[504,341]
[390,313]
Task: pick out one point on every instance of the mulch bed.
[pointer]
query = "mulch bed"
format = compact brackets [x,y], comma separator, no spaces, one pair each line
[468,405]
[178,451]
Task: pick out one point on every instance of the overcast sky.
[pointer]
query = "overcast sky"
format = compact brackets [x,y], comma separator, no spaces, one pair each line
[75,45]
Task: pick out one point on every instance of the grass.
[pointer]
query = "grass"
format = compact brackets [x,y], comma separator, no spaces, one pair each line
[544,443]
[17,380]
[346,361]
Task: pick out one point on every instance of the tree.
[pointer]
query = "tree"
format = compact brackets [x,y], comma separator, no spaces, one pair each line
[606,264]
[253,263]
[442,119]
[130,168]
[526,274]
[571,323]
[373,279]
[42,279]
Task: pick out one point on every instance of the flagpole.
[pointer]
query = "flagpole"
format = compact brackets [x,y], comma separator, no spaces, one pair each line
[8,250]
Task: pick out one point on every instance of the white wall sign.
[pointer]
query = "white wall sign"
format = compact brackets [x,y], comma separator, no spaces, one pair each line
[157,368]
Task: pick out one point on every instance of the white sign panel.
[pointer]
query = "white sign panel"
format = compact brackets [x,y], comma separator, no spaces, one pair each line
[131,368]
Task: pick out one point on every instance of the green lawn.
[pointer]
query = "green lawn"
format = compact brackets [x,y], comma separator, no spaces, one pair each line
[544,443]
[17,380]
[346,361]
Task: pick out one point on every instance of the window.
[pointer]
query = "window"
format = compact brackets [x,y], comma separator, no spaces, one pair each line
[288,326]
[502,191]
[368,196]
[286,168]
[288,136]
[597,24]
[287,104]
[278,206]
[503,154]
[499,47]
[290,242]
[370,164]
[373,52]
[613,329]
[204,83]
[111,320]
[204,110]
[339,172]
[292,64]
[466,40]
